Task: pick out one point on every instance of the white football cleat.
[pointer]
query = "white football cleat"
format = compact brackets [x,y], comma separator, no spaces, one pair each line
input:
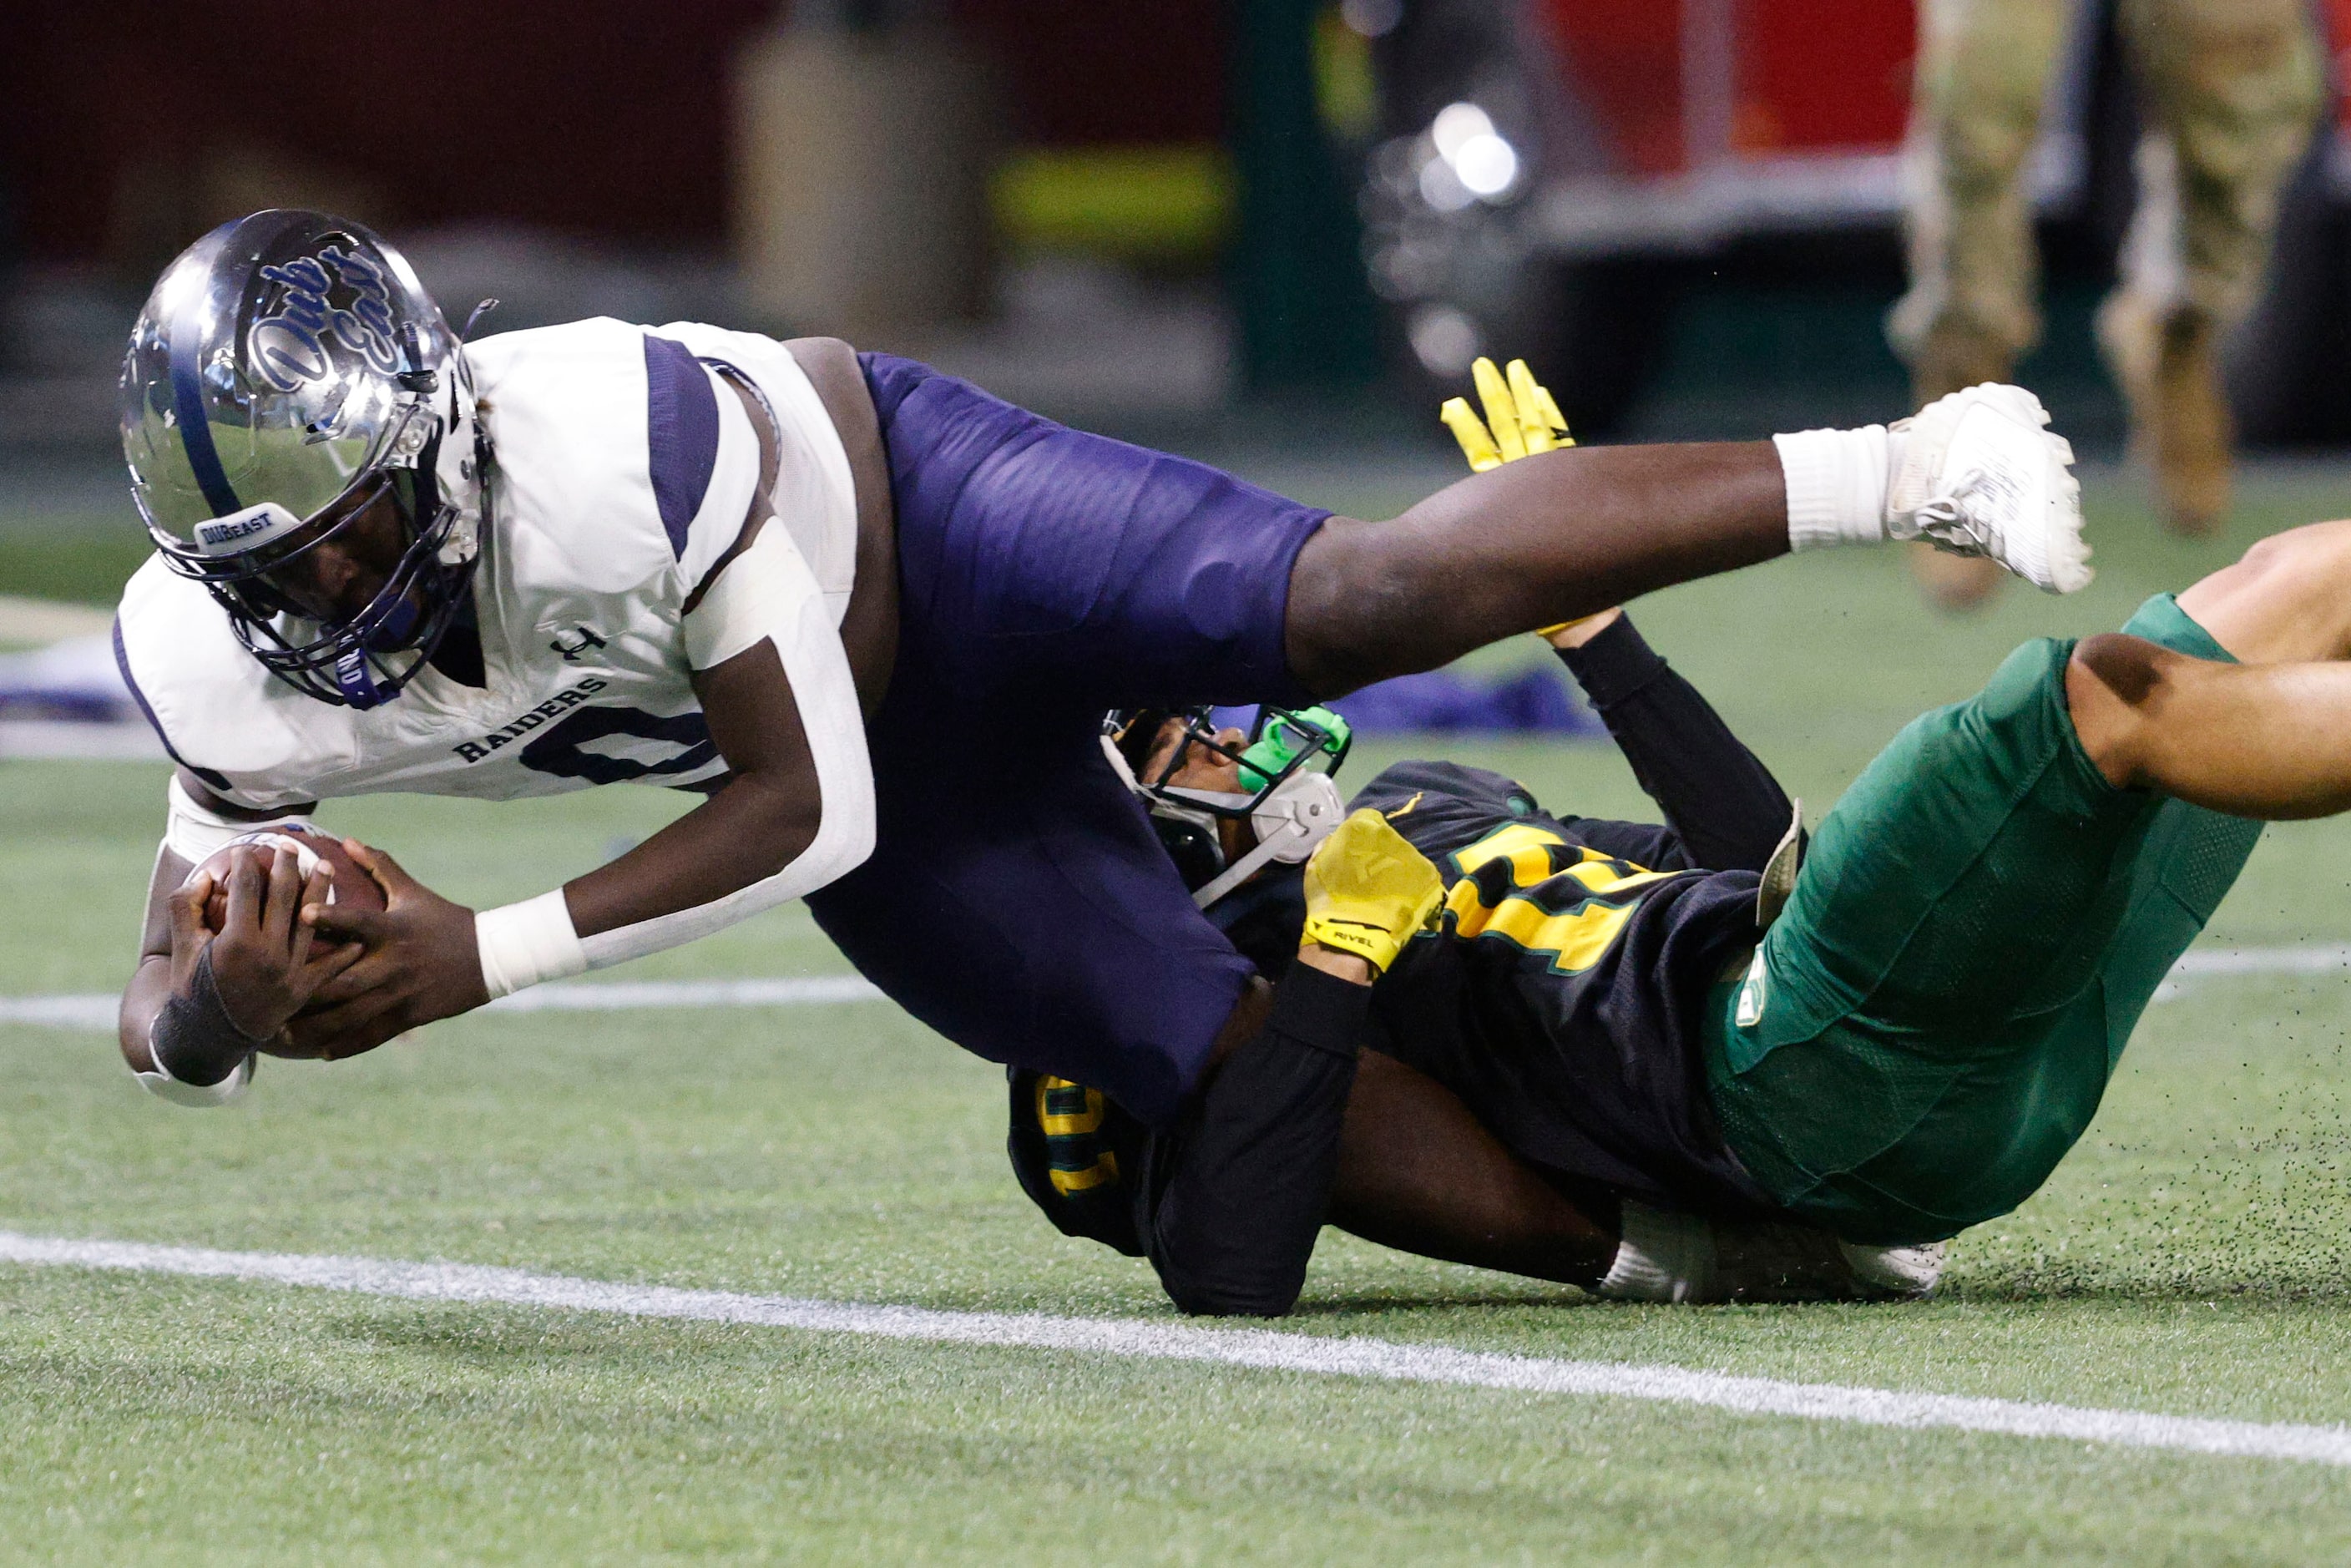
[1686,1259]
[1662,1256]
[1979,473]
[1896,1273]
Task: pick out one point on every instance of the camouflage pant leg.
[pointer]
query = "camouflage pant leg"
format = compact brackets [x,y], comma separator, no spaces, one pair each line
[2232,89]
[1982,72]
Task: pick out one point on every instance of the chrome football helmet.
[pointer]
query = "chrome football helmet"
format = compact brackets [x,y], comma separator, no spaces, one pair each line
[1288,803]
[289,372]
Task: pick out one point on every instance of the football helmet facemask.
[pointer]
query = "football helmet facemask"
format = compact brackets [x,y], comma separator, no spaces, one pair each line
[287,373]
[1287,799]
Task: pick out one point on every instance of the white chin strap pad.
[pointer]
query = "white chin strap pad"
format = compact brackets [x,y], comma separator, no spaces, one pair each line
[1291,819]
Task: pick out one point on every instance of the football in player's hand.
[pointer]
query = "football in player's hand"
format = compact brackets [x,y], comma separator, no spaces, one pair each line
[351,886]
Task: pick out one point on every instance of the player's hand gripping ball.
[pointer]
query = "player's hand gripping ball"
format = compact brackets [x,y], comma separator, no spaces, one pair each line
[267,963]
[351,887]
[1369,891]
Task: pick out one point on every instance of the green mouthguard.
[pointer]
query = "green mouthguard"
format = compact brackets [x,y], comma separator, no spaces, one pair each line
[1281,743]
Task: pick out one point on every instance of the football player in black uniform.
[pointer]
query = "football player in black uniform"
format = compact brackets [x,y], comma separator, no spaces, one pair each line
[1518,1093]
[1596,1049]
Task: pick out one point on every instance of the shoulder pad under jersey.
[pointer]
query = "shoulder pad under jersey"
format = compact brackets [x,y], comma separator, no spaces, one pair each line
[249,737]
[617,455]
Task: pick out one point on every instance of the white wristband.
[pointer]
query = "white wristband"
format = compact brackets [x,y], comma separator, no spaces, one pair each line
[1836,483]
[523,944]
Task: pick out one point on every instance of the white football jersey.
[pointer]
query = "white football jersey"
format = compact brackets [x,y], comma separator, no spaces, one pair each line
[624,470]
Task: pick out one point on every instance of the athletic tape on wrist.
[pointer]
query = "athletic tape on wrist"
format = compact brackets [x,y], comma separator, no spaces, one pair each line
[524,944]
[195,1031]
[1836,482]
[164,1086]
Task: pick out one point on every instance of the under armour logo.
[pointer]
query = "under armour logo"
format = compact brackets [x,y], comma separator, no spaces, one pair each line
[572,653]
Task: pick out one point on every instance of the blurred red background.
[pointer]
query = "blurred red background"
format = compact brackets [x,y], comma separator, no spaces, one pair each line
[611,120]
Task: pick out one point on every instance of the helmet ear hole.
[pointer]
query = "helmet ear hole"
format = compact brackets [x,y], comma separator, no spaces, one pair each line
[1193,846]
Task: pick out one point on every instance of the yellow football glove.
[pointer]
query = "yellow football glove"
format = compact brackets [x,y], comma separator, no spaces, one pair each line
[1523,416]
[1368,891]
[1519,410]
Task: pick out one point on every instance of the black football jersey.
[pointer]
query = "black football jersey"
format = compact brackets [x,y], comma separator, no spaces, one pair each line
[1561,999]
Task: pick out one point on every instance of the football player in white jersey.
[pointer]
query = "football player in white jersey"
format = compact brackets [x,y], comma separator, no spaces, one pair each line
[796,579]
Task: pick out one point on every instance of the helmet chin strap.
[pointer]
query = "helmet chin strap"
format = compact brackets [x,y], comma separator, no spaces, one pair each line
[469,496]
[1289,819]
[1294,818]
[356,681]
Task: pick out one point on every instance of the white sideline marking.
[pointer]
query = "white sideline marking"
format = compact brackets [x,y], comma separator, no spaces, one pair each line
[97,1012]
[1382,1360]
[92,1010]
[632,993]
[2204,963]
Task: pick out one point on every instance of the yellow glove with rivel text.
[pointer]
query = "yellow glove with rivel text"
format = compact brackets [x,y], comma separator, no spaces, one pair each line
[1368,891]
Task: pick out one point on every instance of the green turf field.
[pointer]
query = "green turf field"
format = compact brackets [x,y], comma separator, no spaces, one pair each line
[2191,1258]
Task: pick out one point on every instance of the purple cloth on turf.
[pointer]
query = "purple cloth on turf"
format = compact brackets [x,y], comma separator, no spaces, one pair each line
[1533,701]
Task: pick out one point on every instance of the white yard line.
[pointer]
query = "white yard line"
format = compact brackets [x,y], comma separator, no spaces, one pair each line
[23,620]
[95,1010]
[1260,1349]
[92,1010]
[79,740]
[88,1011]
[634,994]
[2314,960]
[2206,963]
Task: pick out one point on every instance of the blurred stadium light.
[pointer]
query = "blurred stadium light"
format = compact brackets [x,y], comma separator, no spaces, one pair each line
[1531,149]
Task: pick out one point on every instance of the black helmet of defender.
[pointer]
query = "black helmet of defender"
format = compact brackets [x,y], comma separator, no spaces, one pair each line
[288,372]
[1290,805]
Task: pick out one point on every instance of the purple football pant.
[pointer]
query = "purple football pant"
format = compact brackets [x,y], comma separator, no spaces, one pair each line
[1018,900]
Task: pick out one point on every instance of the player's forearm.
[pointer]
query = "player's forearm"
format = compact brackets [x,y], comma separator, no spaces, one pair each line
[787,822]
[142,998]
[185,1050]
[736,853]
[748,831]
[1718,796]
[1419,1173]
[1237,1225]
[151,983]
